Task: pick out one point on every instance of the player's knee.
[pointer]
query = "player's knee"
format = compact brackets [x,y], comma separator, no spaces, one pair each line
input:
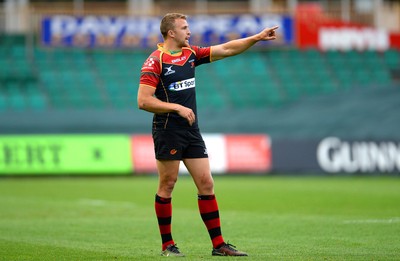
[207,185]
[169,184]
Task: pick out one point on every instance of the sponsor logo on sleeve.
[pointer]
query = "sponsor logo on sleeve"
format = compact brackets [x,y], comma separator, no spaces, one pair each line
[149,63]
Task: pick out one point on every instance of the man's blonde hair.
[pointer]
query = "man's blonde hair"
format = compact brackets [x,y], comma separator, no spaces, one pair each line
[168,22]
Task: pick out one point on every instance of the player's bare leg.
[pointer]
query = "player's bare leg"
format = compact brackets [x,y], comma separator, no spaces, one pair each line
[168,175]
[208,207]
[200,171]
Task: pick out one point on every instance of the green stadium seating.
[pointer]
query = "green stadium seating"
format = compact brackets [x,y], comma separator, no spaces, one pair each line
[80,79]
[392,58]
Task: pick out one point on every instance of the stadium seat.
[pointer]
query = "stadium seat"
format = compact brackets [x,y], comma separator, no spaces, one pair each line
[392,58]
[3,103]
[36,102]
[79,78]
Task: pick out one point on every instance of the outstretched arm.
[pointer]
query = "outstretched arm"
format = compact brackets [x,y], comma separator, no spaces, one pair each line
[238,46]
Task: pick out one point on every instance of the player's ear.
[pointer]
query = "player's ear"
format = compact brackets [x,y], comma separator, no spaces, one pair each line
[171,34]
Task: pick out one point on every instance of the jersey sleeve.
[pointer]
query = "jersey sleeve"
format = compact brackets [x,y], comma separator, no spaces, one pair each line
[150,73]
[203,54]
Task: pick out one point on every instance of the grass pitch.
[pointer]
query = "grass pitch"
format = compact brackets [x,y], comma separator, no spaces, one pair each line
[271,218]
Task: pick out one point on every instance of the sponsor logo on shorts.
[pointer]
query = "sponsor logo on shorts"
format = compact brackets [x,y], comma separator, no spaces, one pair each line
[182,85]
[173,151]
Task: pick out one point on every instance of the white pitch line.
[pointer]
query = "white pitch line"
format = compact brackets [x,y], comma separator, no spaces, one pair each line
[373,221]
[101,202]
[92,202]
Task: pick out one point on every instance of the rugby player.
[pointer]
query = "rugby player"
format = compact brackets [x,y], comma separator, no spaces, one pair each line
[167,89]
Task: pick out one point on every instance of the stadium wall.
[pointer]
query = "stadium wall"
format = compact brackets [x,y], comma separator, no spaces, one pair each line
[229,153]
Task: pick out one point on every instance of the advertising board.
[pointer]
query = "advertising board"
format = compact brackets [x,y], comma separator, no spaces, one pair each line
[227,153]
[248,153]
[350,156]
[65,154]
[335,155]
[316,30]
[144,31]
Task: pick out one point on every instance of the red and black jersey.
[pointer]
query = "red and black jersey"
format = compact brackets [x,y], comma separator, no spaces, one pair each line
[173,76]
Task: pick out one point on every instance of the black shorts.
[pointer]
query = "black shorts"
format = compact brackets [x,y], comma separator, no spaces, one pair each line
[178,144]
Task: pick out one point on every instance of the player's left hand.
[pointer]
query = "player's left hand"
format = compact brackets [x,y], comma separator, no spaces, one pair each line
[268,33]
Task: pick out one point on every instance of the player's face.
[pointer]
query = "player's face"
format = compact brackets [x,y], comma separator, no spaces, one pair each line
[181,32]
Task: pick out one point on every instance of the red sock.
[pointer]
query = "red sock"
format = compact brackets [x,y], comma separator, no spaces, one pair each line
[208,208]
[163,208]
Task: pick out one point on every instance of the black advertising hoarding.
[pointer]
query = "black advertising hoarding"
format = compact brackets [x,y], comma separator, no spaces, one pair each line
[336,155]
[294,156]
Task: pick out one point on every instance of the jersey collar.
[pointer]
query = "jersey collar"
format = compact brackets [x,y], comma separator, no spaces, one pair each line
[160,47]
